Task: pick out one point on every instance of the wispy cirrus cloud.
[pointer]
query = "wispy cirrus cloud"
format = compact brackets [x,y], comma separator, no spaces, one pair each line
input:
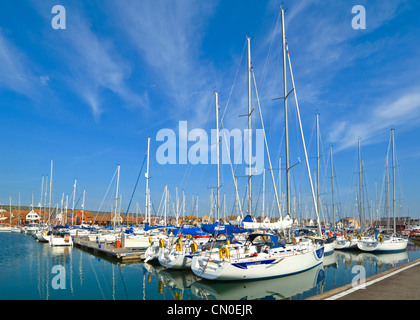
[15,73]
[167,35]
[402,112]
[92,65]
[95,67]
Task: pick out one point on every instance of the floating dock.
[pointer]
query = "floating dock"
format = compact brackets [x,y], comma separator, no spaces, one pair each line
[110,251]
[400,283]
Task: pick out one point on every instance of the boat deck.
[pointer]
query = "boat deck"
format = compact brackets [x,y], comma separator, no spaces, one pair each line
[110,251]
[400,283]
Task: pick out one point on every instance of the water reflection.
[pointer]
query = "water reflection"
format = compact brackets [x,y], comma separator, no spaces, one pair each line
[27,274]
[275,288]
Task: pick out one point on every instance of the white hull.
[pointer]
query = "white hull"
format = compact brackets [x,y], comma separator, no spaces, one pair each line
[387,245]
[329,248]
[110,238]
[60,241]
[79,232]
[137,242]
[280,288]
[343,244]
[5,229]
[260,267]
[31,230]
[42,236]
[180,257]
[152,253]
[174,259]
[16,229]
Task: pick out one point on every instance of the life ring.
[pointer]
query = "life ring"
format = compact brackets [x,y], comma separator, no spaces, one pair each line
[294,240]
[380,238]
[223,252]
[228,242]
[193,247]
[189,236]
[66,239]
[178,246]
[348,238]
[161,243]
[359,237]
[150,240]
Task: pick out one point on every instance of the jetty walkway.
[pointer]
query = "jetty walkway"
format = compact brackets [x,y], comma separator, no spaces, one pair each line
[399,283]
[110,251]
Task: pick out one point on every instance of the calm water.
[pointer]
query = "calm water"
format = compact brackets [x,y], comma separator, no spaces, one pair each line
[27,271]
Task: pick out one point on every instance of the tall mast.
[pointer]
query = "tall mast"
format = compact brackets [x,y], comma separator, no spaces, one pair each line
[116,195]
[183,204]
[67,205]
[45,198]
[166,201]
[217,155]
[393,176]
[263,195]
[249,131]
[42,191]
[147,183]
[74,198]
[279,196]
[286,125]
[10,208]
[40,203]
[17,223]
[387,192]
[49,201]
[317,161]
[360,185]
[302,137]
[332,186]
[83,205]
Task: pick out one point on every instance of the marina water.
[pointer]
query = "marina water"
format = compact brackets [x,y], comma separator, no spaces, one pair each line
[36,271]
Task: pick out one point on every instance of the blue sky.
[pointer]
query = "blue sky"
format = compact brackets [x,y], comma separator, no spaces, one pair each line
[90,95]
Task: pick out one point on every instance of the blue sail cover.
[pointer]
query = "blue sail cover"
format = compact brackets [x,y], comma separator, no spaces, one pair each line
[147,227]
[217,228]
[188,231]
[274,240]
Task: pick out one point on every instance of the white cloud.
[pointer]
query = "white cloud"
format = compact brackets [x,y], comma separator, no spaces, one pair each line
[14,73]
[96,66]
[168,36]
[91,64]
[402,113]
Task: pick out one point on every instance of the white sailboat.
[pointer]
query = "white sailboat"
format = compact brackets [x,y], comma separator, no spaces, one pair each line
[263,255]
[61,241]
[3,227]
[386,243]
[178,254]
[349,241]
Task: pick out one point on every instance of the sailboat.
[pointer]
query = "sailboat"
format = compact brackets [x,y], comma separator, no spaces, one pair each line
[350,240]
[6,228]
[263,255]
[381,242]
